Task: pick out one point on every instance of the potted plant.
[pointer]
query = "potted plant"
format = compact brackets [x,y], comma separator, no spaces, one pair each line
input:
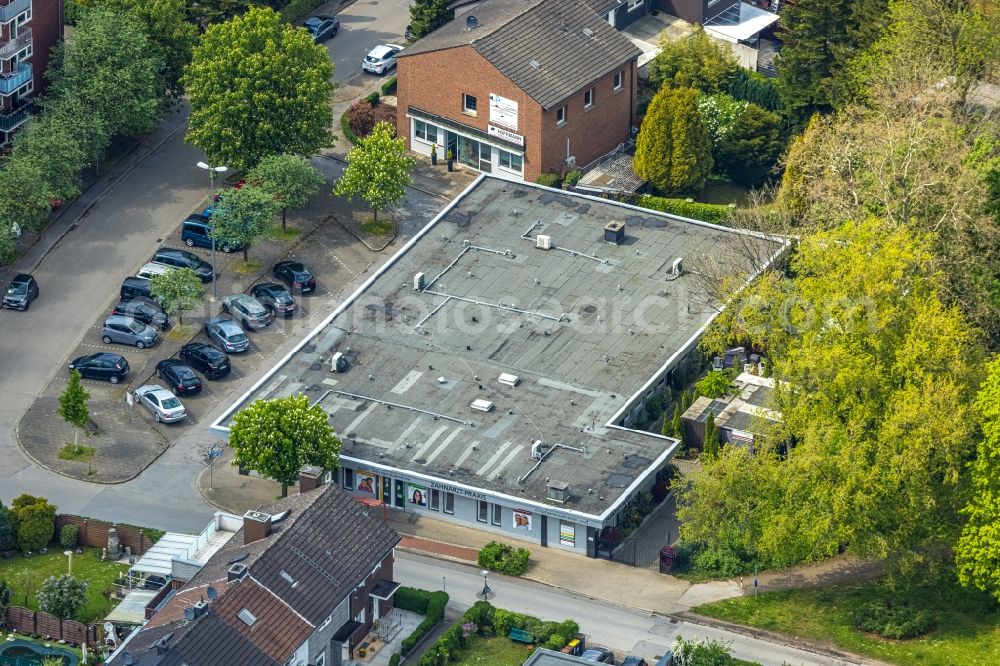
[451,160]
[434,154]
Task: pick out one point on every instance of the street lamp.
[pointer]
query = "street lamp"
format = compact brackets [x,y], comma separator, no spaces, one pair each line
[486,587]
[212,170]
[69,554]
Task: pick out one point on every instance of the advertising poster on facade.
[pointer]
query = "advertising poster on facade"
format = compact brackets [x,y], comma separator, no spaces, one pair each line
[567,534]
[367,483]
[503,111]
[417,494]
[522,520]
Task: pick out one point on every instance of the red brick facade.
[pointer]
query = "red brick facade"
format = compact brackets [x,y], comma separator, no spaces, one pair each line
[28,31]
[434,82]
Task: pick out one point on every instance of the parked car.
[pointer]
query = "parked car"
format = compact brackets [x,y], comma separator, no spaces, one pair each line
[295,275]
[127,331]
[147,271]
[144,310]
[322,27]
[381,59]
[163,404]
[103,365]
[248,310]
[179,376]
[22,290]
[633,660]
[666,660]
[275,298]
[170,256]
[210,361]
[228,334]
[197,230]
[601,655]
[133,287]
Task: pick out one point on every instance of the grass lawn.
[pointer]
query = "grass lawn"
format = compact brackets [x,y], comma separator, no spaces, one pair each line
[246,267]
[25,575]
[289,234]
[380,228]
[496,651]
[70,452]
[967,634]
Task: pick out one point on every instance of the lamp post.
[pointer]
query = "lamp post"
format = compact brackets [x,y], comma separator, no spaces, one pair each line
[212,170]
[486,587]
[69,554]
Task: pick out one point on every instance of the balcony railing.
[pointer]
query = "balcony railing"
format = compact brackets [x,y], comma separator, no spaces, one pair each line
[11,82]
[13,46]
[11,11]
[14,119]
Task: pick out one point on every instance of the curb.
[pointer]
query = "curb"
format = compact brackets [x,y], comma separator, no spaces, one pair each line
[371,248]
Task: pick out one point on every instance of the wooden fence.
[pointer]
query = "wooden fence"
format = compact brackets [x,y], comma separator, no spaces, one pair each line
[26,621]
[95,533]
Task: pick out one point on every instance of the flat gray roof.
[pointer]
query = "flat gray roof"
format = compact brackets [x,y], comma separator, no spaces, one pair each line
[585,327]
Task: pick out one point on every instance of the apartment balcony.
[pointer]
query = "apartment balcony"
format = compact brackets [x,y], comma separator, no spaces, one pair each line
[13,46]
[10,82]
[11,11]
[14,119]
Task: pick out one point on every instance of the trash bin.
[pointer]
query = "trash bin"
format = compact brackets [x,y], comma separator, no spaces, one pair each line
[668,556]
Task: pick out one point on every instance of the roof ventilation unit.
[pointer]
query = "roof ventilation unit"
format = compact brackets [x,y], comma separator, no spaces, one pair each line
[557,491]
[588,32]
[338,363]
[543,242]
[236,572]
[535,64]
[614,232]
[481,405]
[418,282]
[677,266]
[471,22]
[536,449]
[508,379]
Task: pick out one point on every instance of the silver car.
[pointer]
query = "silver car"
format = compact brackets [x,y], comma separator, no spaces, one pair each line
[164,405]
[127,331]
[227,333]
[248,311]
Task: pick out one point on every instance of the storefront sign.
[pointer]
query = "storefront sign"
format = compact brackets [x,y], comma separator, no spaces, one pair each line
[506,135]
[459,491]
[567,534]
[522,520]
[503,111]
[366,482]
[417,494]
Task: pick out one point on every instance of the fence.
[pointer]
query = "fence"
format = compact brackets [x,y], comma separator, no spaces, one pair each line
[95,533]
[26,621]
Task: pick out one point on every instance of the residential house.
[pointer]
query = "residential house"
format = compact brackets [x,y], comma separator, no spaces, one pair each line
[28,31]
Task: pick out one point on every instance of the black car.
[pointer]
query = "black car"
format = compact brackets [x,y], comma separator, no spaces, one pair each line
[275,298]
[212,362]
[179,376]
[22,290]
[143,310]
[103,365]
[183,259]
[322,27]
[295,275]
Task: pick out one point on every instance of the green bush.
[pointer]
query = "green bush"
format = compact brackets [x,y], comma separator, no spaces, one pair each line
[755,88]
[389,87]
[68,536]
[296,9]
[394,660]
[893,618]
[497,556]
[549,180]
[430,604]
[719,561]
[573,177]
[346,127]
[372,98]
[713,213]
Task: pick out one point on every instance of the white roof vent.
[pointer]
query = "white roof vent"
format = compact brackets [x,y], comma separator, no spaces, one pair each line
[508,379]
[543,242]
[247,617]
[481,405]
[418,282]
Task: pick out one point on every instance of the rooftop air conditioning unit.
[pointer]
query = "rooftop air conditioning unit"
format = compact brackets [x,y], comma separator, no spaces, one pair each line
[418,282]
[571,160]
[557,491]
[543,242]
[338,363]
[536,449]
[508,379]
[481,405]
[678,266]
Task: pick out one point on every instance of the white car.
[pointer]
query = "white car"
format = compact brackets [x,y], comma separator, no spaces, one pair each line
[382,58]
[164,405]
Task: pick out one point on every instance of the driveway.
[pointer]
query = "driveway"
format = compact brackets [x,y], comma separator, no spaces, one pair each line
[364,24]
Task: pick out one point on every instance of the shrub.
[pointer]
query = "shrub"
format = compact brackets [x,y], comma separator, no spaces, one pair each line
[713,213]
[892,618]
[346,127]
[431,604]
[719,561]
[361,118]
[8,528]
[573,177]
[68,536]
[296,9]
[497,556]
[755,88]
[412,599]
[389,87]
[549,180]
[372,98]
[36,521]
[394,660]
[63,597]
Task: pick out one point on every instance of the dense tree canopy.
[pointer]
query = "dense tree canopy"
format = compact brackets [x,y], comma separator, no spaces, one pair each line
[426,16]
[289,179]
[674,147]
[378,170]
[242,216]
[694,62]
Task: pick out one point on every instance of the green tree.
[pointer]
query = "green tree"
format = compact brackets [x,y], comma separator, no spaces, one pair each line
[110,65]
[177,291]
[36,521]
[5,595]
[702,653]
[751,147]
[676,426]
[69,110]
[206,12]
[674,149]
[711,446]
[63,596]
[289,179]
[715,384]
[242,216]
[257,87]
[56,150]
[977,553]
[378,170]
[426,16]
[277,437]
[693,62]
[7,531]
[73,406]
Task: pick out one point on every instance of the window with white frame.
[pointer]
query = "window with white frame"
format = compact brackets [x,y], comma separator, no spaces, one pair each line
[425,131]
[435,500]
[588,99]
[497,514]
[619,80]
[468,104]
[360,617]
[348,478]
[560,116]
[484,511]
[449,502]
[23,18]
[637,4]
[511,161]
[321,659]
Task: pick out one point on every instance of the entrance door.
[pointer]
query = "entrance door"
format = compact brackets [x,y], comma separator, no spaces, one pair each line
[545,531]
[451,144]
[400,493]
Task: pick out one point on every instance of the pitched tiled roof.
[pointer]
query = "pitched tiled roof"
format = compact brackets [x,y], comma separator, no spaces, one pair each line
[551,49]
[278,629]
[210,642]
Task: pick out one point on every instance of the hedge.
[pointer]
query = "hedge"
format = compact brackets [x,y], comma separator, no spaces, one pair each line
[389,87]
[394,660]
[714,213]
[549,180]
[346,126]
[296,9]
[497,556]
[430,604]
[372,98]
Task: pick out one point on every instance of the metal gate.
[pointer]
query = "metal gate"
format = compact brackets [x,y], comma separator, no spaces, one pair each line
[642,547]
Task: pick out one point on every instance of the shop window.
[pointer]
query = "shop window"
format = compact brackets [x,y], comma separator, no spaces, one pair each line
[497,514]
[560,116]
[348,478]
[475,154]
[483,511]
[588,99]
[449,503]
[468,104]
[425,131]
[619,80]
[435,500]
[511,161]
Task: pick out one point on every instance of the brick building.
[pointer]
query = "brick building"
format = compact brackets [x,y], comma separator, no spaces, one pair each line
[28,31]
[519,87]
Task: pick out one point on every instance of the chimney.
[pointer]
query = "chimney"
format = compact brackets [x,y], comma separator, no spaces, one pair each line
[256,526]
[310,478]
[236,572]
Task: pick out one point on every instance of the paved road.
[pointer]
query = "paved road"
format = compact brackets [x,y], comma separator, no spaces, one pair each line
[364,25]
[624,630]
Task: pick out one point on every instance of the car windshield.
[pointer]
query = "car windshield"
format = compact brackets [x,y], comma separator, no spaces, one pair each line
[136,327]
[283,297]
[303,276]
[238,337]
[170,403]
[18,289]
[144,309]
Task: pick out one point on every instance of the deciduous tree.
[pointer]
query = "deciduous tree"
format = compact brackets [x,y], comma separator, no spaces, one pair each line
[73,406]
[63,596]
[56,150]
[177,291]
[277,437]
[242,216]
[711,445]
[258,86]
[8,529]
[289,179]
[378,170]
[36,521]
[693,62]
[674,149]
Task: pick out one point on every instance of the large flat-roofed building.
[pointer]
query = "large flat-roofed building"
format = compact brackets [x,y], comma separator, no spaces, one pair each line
[492,371]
